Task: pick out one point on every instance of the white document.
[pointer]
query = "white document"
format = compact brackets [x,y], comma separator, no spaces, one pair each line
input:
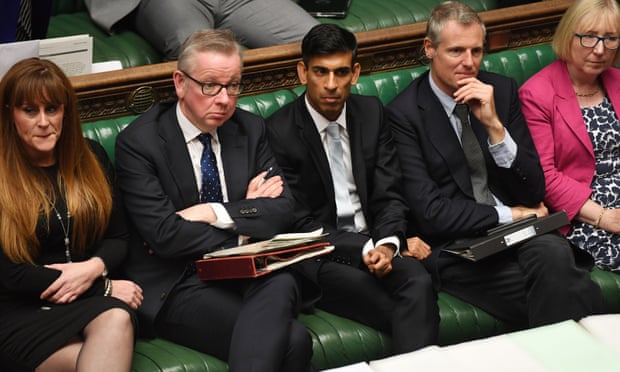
[277,242]
[106,66]
[11,53]
[73,54]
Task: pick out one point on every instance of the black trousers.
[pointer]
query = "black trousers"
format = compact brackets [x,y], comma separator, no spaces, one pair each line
[402,304]
[535,283]
[250,323]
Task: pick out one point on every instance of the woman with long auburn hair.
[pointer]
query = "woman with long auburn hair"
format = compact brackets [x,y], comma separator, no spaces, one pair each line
[61,232]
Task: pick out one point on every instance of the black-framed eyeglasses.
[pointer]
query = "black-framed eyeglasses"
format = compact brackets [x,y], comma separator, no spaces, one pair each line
[591,41]
[213,89]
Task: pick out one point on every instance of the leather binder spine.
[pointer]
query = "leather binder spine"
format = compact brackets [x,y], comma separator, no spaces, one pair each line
[228,268]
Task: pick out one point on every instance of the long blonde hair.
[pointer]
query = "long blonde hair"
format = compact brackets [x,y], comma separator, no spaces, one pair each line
[25,190]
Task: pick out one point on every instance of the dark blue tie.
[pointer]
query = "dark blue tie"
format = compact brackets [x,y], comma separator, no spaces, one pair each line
[211,190]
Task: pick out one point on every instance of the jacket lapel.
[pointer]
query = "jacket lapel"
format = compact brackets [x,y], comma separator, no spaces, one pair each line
[442,136]
[174,148]
[356,144]
[611,81]
[568,106]
[235,158]
[312,138]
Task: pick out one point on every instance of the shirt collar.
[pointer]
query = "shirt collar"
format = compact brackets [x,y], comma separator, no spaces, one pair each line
[189,130]
[447,102]
[321,121]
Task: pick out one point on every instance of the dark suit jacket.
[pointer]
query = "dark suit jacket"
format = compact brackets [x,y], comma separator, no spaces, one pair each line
[156,178]
[436,178]
[299,151]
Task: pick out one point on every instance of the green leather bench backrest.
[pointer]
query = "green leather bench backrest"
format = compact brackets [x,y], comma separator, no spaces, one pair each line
[365,15]
[519,64]
[70,17]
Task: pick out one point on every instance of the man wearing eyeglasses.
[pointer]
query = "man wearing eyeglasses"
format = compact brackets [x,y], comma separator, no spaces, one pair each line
[192,177]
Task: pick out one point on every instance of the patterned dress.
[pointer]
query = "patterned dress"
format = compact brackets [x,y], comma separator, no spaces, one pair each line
[604,130]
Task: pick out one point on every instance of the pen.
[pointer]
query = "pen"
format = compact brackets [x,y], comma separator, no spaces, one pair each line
[267,175]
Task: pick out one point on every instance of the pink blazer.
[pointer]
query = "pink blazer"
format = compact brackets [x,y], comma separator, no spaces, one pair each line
[559,133]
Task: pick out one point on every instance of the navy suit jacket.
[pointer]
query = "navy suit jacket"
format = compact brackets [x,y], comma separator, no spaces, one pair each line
[436,178]
[156,178]
[299,151]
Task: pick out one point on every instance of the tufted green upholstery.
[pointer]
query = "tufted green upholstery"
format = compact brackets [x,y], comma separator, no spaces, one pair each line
[126,46]
[70,17]
[338,341]
[365,15]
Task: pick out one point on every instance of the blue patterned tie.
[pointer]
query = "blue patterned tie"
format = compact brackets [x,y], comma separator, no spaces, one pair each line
[211,190]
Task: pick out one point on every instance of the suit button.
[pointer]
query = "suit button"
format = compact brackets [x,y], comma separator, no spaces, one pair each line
[162,295]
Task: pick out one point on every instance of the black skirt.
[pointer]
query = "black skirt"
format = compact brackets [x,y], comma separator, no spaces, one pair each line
[29,333]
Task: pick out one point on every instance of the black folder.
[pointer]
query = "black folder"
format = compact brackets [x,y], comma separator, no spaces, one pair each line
[505,236]
[326,8]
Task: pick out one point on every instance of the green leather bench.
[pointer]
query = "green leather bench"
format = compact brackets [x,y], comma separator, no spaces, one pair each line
[70,17]
[338,341]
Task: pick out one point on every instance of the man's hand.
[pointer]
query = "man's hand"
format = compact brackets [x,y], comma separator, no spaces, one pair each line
[379,260]
[519,211]
[202,212]
[479,97]
[417,248]
[128,292]
[259,187]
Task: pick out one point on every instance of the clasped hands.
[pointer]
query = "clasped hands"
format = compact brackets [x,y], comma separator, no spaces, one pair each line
[379,259]
[77,277]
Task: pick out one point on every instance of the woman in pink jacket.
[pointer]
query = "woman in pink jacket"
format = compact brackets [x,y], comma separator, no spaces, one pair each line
[572,108]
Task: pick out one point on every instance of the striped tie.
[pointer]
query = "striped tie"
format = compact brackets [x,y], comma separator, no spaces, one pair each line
[24,22]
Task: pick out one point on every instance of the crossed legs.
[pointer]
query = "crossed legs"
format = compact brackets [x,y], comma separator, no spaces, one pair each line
[106,345]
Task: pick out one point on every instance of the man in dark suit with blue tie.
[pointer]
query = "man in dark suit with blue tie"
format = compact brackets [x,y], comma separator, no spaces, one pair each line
[348,183]
[191,174]
[444,118]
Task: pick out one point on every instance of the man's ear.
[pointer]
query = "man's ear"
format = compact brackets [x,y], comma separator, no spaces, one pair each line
[302,72]
[179,83]
[429,49]
[357,68]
